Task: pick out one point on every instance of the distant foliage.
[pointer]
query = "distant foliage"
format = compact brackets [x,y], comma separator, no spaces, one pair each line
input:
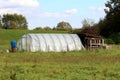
[0,22]
[38,28]
[110,26]
[109,41]
[14,21]
[93,30]
[112,19]
[87,23]
[116,38]
[63,26]
[0,25]
[47,28]
[44,28]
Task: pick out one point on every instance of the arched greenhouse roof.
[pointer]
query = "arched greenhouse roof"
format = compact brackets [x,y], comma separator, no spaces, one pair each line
[49,42]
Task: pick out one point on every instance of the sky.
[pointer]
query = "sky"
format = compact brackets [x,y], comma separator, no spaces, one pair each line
[41,13]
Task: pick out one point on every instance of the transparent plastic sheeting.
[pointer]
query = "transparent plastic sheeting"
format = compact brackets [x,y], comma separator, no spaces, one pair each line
[49,43]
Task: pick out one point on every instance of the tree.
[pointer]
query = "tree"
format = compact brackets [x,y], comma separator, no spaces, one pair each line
[0,22]
[110,26]
[14,21]
[63,26]
[112,18]
[13,25]
[87,23]
[0,25]
[93,30]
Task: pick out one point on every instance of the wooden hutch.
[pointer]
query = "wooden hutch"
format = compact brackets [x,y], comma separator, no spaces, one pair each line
[91,41]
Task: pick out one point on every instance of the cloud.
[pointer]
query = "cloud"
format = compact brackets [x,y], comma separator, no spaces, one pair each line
[31,7]
[18,3]
[25,7]
[97,10]
[24,11]
[9,10]
[71,11]
[64,14]
[55,14]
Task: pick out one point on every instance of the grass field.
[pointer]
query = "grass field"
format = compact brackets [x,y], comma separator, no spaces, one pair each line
[96,64]
[80,65]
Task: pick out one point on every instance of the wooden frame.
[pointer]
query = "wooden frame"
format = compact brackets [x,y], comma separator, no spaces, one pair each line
[91,43]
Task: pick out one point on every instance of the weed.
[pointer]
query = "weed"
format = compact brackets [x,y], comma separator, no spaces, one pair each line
[105,73]
[12,75]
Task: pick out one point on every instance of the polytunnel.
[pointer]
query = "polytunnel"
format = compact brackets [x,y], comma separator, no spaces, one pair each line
[49,43]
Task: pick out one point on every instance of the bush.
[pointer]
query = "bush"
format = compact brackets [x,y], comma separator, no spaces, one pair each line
[116,38]
[93,30]
[38,28]
[109,41]
[47,28]
[63,26]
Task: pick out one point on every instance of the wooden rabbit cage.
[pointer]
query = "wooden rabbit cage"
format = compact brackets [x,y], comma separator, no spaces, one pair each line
[91,41]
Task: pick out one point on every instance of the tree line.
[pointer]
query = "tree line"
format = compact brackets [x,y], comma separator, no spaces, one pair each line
[16,21]
[60,26]
[109,27]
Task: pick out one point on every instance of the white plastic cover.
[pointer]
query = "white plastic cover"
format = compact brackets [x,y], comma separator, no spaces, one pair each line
[49,42]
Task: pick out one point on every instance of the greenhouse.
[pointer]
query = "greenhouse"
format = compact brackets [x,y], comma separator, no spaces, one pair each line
[49,43]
